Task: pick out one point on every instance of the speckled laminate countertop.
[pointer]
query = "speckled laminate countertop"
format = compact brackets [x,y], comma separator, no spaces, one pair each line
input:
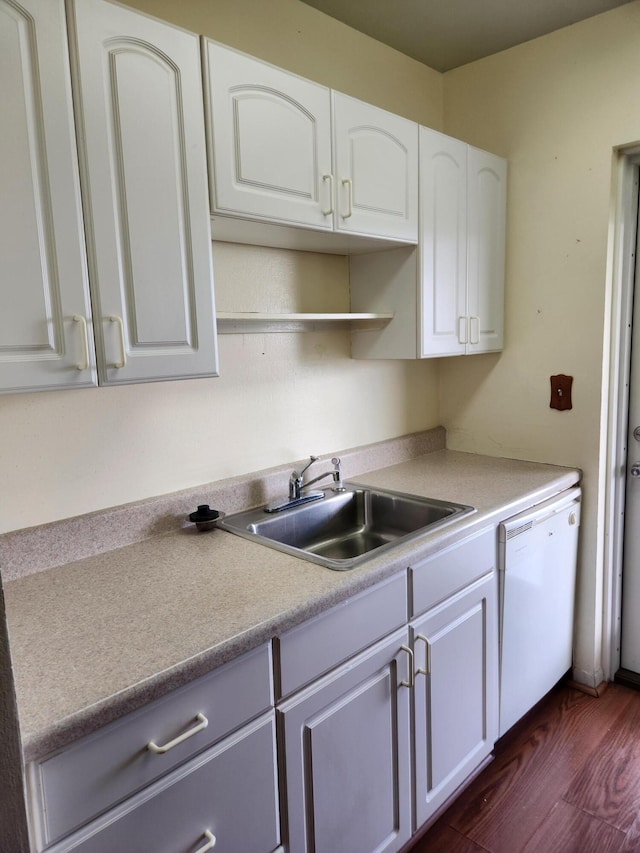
[103,635]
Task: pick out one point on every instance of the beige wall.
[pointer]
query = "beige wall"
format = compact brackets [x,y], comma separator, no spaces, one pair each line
[294,36]
[280,397]
[555,107]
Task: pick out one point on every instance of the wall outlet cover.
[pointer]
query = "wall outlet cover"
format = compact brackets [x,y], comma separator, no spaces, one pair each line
[561,392]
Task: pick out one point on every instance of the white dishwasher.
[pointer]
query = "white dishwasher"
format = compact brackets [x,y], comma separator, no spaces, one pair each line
[537,562]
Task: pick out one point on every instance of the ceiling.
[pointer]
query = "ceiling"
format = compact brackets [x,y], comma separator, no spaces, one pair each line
[445,34]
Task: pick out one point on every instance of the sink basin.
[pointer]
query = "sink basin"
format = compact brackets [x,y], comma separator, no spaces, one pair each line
[342,529]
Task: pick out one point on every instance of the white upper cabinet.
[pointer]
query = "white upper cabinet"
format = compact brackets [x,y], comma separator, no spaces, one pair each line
[463,201]
[270,141]
[144,181]
[447,294]
[443,171]
[285,150]
[376,170]
[487,200]
[45,319]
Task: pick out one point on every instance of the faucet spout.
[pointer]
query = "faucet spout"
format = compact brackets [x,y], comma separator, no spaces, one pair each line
[336,473]
[298,487]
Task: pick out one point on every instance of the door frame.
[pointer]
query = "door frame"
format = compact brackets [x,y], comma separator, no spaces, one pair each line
[621,275]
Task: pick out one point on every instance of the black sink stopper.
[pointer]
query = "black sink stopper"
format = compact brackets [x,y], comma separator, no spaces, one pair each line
[204,517]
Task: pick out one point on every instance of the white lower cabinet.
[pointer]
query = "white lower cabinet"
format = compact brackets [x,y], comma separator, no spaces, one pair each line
[374,748]
[347,768]
[387,704]
[455,692]
[225,798]
[454,633]
[200,762]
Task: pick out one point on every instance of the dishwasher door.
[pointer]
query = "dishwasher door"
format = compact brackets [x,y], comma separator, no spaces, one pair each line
[537,562]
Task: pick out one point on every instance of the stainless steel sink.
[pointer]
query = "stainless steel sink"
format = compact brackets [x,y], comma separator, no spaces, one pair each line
[345,528]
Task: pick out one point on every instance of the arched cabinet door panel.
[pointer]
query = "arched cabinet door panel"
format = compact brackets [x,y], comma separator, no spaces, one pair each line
[443,295]
[270,141]
[376,155]
[45,318]
[487,194]
[144,183]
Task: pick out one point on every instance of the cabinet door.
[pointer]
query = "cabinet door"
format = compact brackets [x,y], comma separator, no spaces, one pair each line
[456,692]
[443,186]
[144,182]
[376,170]
[269,136]
[347,764]
[487,194]
[45,320]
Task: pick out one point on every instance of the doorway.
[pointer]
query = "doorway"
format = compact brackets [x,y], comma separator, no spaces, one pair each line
[622,449]
[629,669]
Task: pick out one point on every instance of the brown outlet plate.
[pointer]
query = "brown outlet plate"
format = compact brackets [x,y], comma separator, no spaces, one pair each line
[561,392]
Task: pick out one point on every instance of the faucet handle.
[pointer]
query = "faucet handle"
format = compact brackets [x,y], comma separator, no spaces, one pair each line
[312,459]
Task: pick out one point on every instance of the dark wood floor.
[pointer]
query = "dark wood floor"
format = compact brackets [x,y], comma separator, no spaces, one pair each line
[566,779]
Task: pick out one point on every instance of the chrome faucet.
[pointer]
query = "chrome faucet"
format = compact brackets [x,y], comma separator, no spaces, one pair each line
[297,486]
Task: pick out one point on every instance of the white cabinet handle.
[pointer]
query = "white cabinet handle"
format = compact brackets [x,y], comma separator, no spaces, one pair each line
[78,318]
[329,178]
[160,750]
[427,655]
[474,330]
[411,682]
[123,349]
[462,331]
[211,842]
[349,184]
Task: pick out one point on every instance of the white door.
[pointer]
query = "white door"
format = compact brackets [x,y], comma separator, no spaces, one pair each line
[486,223]
[630,636]
[376,170]
[347,760]
[144,181]
[456,713]
[45,319]
[443,247]
[269,135]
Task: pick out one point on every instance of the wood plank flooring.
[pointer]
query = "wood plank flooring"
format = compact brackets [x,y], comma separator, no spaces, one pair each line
[565,779]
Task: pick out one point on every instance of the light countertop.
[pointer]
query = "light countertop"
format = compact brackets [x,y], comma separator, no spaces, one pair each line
[106,634]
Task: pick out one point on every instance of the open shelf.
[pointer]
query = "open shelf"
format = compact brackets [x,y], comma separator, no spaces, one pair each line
[250,322]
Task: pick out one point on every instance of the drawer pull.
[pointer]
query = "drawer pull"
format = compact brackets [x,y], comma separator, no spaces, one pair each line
[160,750]
[427,655]
[211,842]
[411,682]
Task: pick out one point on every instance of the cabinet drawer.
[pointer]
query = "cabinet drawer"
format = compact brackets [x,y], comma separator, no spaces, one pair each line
[328,639]
[230,791]
[102,769]
[443,574]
